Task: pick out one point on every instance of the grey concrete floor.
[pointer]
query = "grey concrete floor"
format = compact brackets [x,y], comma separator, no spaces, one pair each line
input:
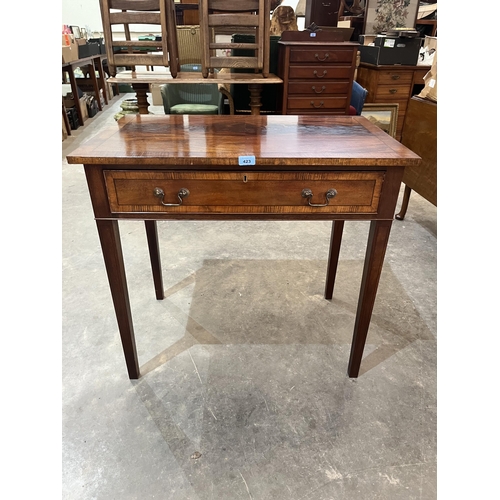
[245,362]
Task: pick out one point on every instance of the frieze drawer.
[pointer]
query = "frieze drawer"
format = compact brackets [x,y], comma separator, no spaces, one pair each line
[243,192]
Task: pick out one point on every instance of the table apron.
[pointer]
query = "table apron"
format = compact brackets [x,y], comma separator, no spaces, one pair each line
[203,195]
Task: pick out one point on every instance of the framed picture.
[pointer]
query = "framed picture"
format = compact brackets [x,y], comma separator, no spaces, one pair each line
[76,31]
[384,116]
[383,15]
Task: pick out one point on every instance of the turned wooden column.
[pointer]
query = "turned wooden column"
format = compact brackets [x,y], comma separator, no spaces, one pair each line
[255,98]
[141,91]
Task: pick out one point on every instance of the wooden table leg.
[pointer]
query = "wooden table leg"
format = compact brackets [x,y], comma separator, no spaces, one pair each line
[374,259]
[255,90]
[333,258]
[141,92]
[109,236]
[154,256]
[74,91]
[404,203]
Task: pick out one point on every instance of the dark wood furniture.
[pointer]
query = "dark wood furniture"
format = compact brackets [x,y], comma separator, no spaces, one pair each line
[427,27]
[151,167]
[420,135]
[187,12]
[322,12]
[392,83]
[140,82]
[88,65]
[317,76]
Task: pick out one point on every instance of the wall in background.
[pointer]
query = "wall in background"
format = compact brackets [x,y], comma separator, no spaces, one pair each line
[83,13]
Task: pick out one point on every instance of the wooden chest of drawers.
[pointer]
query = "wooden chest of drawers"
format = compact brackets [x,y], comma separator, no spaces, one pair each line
[317,76]
[391,84]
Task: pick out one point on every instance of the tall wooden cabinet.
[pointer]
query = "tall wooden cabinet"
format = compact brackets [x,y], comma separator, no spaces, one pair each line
[317,76]
[322,12]
[391,84]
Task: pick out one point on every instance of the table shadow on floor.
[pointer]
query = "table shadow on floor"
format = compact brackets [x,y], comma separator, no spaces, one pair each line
[282,302]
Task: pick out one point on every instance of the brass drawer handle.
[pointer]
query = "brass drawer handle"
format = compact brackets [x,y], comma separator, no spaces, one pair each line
[183,192]
[323,88]
[393,91]
[320,105]
[307,193]
[395,77]
[324,58]
[322,76]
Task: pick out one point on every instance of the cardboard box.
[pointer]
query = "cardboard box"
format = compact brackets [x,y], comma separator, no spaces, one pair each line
[69,49]
[66,40]
[391,50]
[69,102]
[154,88]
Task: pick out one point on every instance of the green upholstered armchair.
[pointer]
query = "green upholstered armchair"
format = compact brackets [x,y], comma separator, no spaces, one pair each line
[192,98]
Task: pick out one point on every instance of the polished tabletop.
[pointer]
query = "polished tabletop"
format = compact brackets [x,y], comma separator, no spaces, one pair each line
[277,141]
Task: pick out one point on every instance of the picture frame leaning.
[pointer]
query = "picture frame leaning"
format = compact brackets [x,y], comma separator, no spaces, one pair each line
[383,115]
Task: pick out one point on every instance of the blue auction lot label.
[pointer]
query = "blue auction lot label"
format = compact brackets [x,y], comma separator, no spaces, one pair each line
[246,160]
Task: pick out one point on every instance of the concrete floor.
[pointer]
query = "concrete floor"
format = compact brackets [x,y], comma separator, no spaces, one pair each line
[244,361]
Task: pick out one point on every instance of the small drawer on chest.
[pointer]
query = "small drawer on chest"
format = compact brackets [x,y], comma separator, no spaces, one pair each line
[243,192]
[321,55]
[317,104]
[314,89]
[319,72]
[395,78]
[389,93]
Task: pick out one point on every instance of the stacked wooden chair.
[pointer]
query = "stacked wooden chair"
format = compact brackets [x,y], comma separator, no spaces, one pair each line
[131,53]
[247,15]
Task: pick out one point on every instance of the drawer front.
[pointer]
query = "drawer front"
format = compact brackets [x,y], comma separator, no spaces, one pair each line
[318,72]
[243,193]
[321,55]
[315,89]
[395,77]
[393,93]
[317,103]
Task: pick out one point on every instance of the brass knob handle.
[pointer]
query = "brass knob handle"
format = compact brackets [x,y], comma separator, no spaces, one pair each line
[307,193]
[159,193]
[323,88]
[327,55]
[315,73]
[320,105]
